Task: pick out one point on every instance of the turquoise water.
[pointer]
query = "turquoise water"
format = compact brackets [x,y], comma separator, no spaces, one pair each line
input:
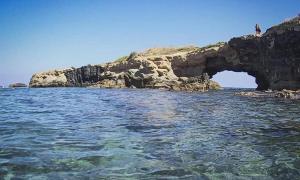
[80,133]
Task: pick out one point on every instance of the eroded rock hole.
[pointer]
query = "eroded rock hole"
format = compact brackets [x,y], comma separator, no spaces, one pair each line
[235,79]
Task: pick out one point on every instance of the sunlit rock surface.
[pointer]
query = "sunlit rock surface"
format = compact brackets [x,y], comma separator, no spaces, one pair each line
[150,69]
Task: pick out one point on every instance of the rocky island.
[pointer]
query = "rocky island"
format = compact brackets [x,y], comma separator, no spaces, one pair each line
[272,58]
[17,85]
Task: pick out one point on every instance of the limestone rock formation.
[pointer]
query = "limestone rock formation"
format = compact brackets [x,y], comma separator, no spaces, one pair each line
[149,69]
[273,59]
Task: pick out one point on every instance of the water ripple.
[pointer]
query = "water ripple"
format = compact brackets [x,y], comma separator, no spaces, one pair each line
[83,133]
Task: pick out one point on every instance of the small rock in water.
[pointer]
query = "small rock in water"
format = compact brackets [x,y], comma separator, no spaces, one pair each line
[18,85]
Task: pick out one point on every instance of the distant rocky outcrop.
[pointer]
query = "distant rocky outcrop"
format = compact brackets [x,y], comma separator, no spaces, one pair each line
[18,85]
[273,59]
[287,94]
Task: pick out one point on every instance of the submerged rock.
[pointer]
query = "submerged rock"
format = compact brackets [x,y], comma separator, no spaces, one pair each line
[273,59]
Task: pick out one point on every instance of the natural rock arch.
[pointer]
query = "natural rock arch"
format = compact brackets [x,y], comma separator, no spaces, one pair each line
[233,79]
[215,65]
[273,59]
[260,79]
[254,80]
[229,56]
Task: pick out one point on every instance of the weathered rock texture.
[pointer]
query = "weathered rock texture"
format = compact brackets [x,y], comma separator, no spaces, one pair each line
[150,69]
[273,59]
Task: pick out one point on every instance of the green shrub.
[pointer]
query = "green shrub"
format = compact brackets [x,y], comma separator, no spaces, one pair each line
[132,54]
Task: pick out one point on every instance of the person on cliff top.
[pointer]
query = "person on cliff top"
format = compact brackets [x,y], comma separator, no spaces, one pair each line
[257,30]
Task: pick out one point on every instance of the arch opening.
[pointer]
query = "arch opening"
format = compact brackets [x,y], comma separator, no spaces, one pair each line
[231,79]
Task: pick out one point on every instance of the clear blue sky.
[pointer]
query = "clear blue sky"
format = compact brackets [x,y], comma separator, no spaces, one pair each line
[38,35]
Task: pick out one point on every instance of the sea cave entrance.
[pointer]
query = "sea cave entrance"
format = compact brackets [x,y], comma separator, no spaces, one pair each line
[235,79]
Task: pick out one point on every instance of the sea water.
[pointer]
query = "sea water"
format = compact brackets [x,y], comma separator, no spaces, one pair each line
[81,133]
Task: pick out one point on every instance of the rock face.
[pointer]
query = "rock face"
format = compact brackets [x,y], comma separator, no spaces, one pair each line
[17,85]
[273,59]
